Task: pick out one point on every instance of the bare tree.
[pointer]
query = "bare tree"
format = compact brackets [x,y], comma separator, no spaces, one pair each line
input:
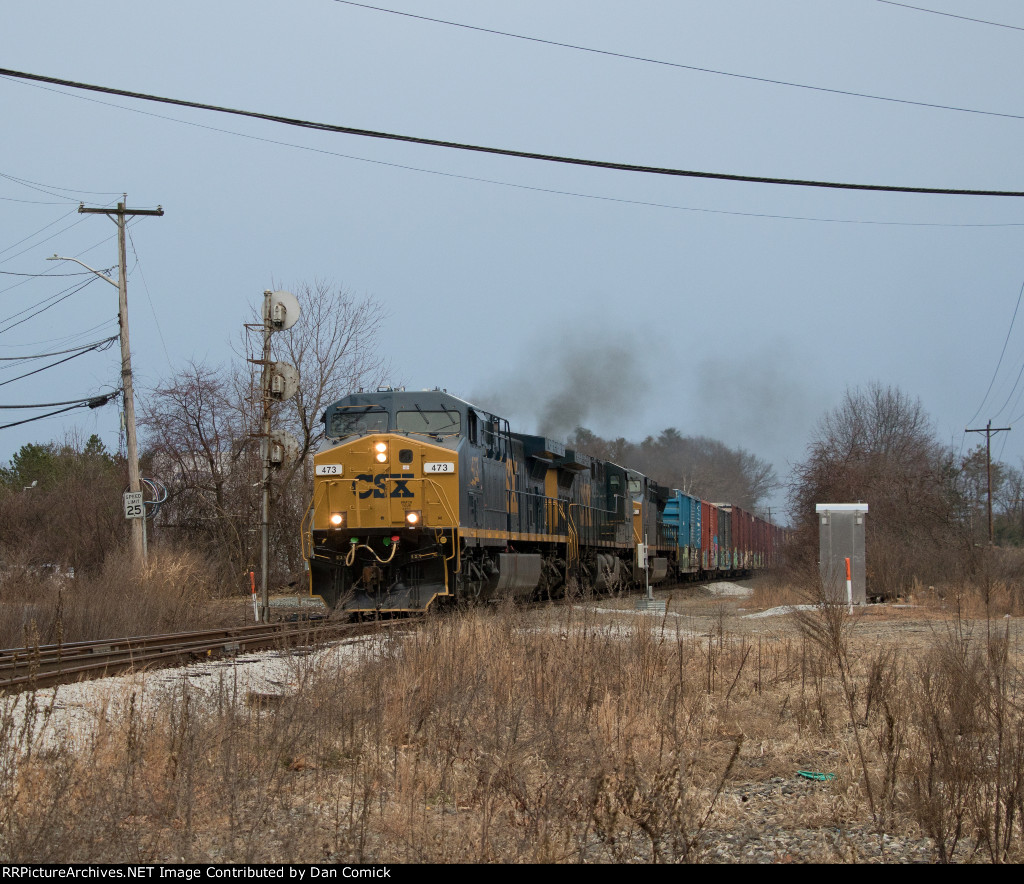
[696,465]
[201,425]
[336,349]
[879,446]
[198,443]
[1010,502]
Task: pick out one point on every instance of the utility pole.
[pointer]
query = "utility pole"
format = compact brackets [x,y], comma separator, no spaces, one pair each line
[988,430]
[268,328]
[118,216]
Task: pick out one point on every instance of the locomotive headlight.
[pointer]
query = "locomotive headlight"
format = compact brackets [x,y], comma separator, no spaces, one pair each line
[413,518]
[382,457]
[382,451]
[337,520]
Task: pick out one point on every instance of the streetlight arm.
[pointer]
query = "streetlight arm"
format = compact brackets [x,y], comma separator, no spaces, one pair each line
[87,267]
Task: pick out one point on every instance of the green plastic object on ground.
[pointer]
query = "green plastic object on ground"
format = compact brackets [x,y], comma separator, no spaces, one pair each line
[812,775]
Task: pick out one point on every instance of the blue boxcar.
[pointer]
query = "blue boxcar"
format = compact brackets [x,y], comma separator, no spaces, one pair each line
[682,512]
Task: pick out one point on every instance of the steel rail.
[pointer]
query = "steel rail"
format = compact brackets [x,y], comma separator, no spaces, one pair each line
[48,665]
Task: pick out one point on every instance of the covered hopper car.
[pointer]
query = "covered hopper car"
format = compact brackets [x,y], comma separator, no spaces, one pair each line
[420,496]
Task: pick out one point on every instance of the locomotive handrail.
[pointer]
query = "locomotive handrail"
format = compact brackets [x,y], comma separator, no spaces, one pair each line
[309,552]
[552,502]
[598,523]
[572,543]
[456,554]
[456,550]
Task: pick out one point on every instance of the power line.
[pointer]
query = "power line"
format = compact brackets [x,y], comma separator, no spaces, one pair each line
[73,288]
[979,21]
[47,239]
[11,199]
[91,403]
[36,185]
[689,67]
[40,230]
[1016,404]
[84,400]
[57,353]
[44,275]
[65,339]
[44,306]
[149,297]
[516,185]
[101,346]
[51,236]
[1013,390]
[28,280]
[95,245]
[526,155]
[1020,294]
[31,235]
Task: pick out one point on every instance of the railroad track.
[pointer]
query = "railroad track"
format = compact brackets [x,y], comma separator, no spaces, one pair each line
[48,665]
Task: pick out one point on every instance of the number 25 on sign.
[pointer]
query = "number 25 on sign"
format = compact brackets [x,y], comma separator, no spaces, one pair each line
[133,505]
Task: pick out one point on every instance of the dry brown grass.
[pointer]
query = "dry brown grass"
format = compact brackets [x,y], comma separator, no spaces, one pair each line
[775,589]
[47,607]
[556,735]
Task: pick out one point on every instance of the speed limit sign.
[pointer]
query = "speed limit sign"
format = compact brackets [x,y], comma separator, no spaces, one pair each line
[133,505]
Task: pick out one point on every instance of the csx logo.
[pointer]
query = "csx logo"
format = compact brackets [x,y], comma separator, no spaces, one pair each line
[378,490]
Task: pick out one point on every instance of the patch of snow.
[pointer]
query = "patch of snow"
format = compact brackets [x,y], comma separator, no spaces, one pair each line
[729,589]
[634,611]
[783,609]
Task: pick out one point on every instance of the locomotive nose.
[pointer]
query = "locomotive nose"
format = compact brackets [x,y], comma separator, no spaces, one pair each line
[385,482]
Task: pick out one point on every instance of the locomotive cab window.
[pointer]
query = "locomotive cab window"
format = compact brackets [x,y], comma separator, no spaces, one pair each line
[359,419]
[433,423]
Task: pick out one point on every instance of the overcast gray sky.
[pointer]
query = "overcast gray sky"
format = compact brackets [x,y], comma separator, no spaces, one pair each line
[735,310]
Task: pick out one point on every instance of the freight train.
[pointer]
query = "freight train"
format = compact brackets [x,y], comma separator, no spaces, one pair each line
[421,496]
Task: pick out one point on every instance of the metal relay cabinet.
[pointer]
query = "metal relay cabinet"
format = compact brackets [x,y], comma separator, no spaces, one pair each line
[841,538]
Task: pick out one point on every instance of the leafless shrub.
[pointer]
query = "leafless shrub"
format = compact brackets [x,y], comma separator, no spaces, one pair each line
[60,506]
[173,593]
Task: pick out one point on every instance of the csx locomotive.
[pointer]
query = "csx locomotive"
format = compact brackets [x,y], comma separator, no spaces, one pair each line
[420,496]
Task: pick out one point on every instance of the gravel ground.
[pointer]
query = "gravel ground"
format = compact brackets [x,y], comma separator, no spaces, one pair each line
[767,831]
[79,708]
